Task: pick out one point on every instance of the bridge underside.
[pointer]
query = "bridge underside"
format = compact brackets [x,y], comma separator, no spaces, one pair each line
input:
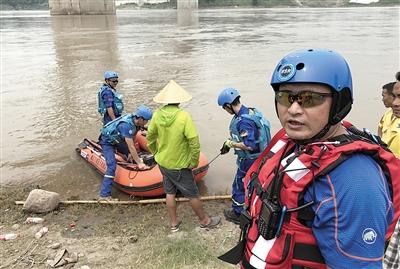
[99,7]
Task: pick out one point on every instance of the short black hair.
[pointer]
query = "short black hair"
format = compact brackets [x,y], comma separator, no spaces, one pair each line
[397,76]
[389,87]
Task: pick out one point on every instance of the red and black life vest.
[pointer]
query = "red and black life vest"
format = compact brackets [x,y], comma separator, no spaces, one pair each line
[296,245]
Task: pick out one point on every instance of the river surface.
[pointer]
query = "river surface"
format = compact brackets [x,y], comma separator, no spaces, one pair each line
[51,70]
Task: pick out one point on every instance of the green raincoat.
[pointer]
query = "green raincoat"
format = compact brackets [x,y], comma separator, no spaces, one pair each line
[173,139]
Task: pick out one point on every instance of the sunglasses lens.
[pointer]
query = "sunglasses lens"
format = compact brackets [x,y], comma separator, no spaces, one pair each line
[305,99]
[313,99]
[283,98]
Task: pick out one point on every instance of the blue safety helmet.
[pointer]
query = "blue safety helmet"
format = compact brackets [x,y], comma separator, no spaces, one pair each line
[110,74]
[318,66]
[143,112]
[227,96]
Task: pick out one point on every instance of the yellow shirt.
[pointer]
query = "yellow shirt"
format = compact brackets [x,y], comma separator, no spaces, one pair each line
[391,131]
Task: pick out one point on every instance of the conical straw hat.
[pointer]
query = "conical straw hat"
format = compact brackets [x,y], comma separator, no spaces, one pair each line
[172,93]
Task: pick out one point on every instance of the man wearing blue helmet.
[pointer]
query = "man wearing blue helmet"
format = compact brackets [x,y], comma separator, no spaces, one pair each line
[121,131]
[110,104]
[250,134]
[323,194]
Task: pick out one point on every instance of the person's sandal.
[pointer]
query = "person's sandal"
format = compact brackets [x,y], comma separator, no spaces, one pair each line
[175,228]
[214,221]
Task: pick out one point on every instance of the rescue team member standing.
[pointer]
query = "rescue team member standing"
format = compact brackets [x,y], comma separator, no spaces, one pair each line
[121,131]
[250,134]
[173,139]
[390,122]
[318,197]
[110,104]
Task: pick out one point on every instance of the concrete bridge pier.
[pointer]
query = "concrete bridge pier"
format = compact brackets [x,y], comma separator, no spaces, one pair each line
[82,7]
[187,4]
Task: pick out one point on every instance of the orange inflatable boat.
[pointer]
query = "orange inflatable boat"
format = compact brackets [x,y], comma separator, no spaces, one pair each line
[144,183]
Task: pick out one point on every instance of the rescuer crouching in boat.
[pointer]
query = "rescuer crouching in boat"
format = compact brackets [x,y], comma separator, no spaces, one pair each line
[118,132]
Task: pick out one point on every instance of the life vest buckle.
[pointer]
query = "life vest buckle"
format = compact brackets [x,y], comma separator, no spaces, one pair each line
[244,220]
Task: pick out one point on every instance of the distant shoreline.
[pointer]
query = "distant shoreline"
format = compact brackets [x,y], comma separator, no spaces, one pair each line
[280,4]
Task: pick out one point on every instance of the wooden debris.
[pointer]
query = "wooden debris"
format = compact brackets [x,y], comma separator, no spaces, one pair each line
[140,202]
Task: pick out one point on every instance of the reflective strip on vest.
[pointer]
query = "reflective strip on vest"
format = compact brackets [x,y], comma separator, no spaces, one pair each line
[260,252]
[296,170]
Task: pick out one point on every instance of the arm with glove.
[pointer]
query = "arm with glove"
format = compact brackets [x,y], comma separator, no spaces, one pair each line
[229,143]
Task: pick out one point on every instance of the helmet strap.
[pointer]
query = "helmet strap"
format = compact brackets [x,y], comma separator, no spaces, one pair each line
[230,107]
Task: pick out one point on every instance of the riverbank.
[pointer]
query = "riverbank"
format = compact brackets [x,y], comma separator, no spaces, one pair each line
[113,236]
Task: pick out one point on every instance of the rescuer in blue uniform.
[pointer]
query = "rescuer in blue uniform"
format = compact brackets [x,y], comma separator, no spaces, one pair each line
[110,103]
[250,134]
[120,131]
[324,194]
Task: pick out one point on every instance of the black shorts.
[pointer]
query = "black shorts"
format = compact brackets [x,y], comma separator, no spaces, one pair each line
[182,180]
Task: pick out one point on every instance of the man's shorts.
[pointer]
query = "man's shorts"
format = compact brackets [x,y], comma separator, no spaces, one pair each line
[182,180]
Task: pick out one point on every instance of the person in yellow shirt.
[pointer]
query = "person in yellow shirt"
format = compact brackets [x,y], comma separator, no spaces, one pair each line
[389,126]
[173,139]
[387,99]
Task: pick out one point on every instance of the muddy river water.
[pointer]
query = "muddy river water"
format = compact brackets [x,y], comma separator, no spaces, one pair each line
[51,69]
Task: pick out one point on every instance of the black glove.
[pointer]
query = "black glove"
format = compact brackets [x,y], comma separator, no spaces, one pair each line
[225,149]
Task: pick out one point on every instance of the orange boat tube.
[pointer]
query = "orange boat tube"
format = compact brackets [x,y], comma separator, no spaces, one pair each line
[129,179]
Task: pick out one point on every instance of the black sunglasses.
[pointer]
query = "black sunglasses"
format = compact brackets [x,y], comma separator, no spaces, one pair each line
[304,98]
[114,80]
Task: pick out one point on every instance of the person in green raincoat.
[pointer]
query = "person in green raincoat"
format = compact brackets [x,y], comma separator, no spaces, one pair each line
[172,138]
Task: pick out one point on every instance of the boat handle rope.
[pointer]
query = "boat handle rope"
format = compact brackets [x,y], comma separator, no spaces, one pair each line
[204,167]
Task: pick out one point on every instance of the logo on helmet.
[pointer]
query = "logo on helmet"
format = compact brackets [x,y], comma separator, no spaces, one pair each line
[286,72]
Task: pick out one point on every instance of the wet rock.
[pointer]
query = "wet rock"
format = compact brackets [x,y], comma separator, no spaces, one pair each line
[41,201]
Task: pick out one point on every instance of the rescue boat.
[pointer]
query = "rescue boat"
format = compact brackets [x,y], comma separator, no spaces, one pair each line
[128,178]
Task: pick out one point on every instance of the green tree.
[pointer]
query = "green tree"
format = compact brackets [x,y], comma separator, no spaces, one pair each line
[24,4]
